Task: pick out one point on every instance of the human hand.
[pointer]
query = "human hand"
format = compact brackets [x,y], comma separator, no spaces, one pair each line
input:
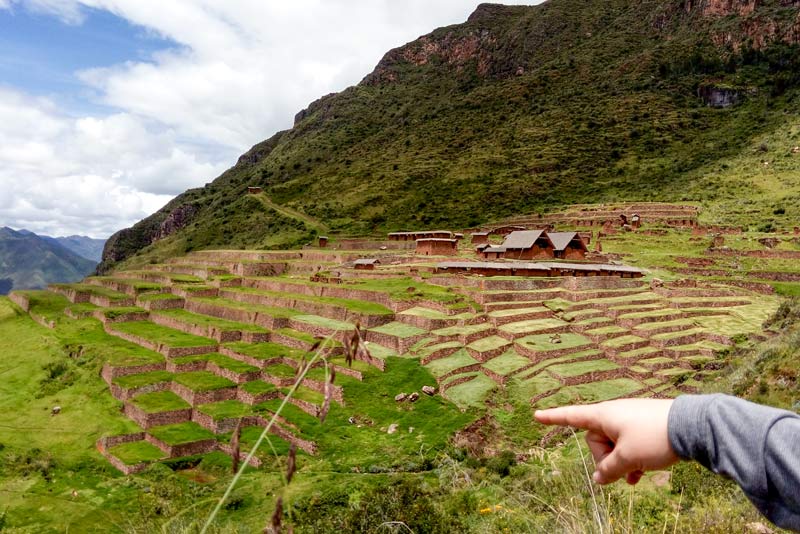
[627,437]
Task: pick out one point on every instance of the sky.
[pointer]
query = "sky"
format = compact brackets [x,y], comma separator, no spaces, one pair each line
[110,108]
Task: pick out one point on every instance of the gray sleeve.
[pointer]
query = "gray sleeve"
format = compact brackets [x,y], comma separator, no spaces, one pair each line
[756,446]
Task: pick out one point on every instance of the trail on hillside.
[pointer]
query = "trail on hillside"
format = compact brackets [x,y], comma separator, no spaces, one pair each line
[293,214]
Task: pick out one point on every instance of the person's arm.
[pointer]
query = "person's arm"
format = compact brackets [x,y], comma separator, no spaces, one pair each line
[757,446]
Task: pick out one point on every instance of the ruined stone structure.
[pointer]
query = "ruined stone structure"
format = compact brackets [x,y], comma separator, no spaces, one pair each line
[437,247]
[367,264]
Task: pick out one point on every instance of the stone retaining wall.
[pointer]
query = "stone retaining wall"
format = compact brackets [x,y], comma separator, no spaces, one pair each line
[221,312]
[331,311]
[147,420]
[20,300]
[544,313]
[439,354]
[500,379]
[461,370]
[169,352]
[107,302]
[100,315]
[203,397]
[485,356]
[251,399]
[109,372]
[186,293]
[124,394]
[42,321]
[400,345]
[233,376]
[161,304]
[186,367]
[756,287]
[453,383]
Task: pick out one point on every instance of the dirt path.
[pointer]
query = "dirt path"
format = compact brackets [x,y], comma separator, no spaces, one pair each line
[293,214]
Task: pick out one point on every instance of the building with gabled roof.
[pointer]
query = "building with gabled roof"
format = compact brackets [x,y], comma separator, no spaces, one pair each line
[367,264]
[527,245]
[567,245]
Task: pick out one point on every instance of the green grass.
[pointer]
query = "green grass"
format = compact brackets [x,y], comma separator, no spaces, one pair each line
[279,313]
[225,409]
[280,370]
[180,433]
[463,330]
[457,360]
[96,290]
[356,306]
[533,325]
[621,341]
[472,393]
[266,351]
[506,363]
[489,343]
[325,322]
[142,379]
[593,392]
[436,314]
[541,342]
[581,368]
[638,352]
[153,297]
[112,313]
[206,321]
[202,381]
[611,329]
[160,401]
[257,387]
[231,364]
[163,335]
[398,329]
[47,304]
[136,452]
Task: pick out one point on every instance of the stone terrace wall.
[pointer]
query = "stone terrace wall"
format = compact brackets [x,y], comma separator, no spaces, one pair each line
[148,420]
[124,394]
[111,372]
[160,304]
[20,300]
[203,397]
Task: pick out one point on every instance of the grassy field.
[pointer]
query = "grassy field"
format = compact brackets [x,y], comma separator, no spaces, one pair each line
[162,401]
[163,335]
[204,320]
[202,381]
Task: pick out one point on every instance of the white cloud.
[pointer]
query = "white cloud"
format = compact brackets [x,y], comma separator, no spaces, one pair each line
[241,71]
[86,175]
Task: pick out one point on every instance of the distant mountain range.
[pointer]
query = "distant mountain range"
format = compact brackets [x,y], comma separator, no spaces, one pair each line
[30,261]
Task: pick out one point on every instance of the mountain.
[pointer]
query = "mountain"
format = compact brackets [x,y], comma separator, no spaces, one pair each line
[28,261]
[86,247]
[520,110]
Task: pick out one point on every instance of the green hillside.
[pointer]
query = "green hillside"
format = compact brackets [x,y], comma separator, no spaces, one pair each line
[519,110]
[28,261]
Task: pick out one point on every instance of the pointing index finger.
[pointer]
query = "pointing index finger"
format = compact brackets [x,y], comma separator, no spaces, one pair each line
[578,416]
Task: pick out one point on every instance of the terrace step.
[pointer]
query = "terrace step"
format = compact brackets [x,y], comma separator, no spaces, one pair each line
[634,319]
[684,337]
[604,333]
[513,315]
[511,305]
[651,329]
[336,309]
[624,344]
[635,355]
